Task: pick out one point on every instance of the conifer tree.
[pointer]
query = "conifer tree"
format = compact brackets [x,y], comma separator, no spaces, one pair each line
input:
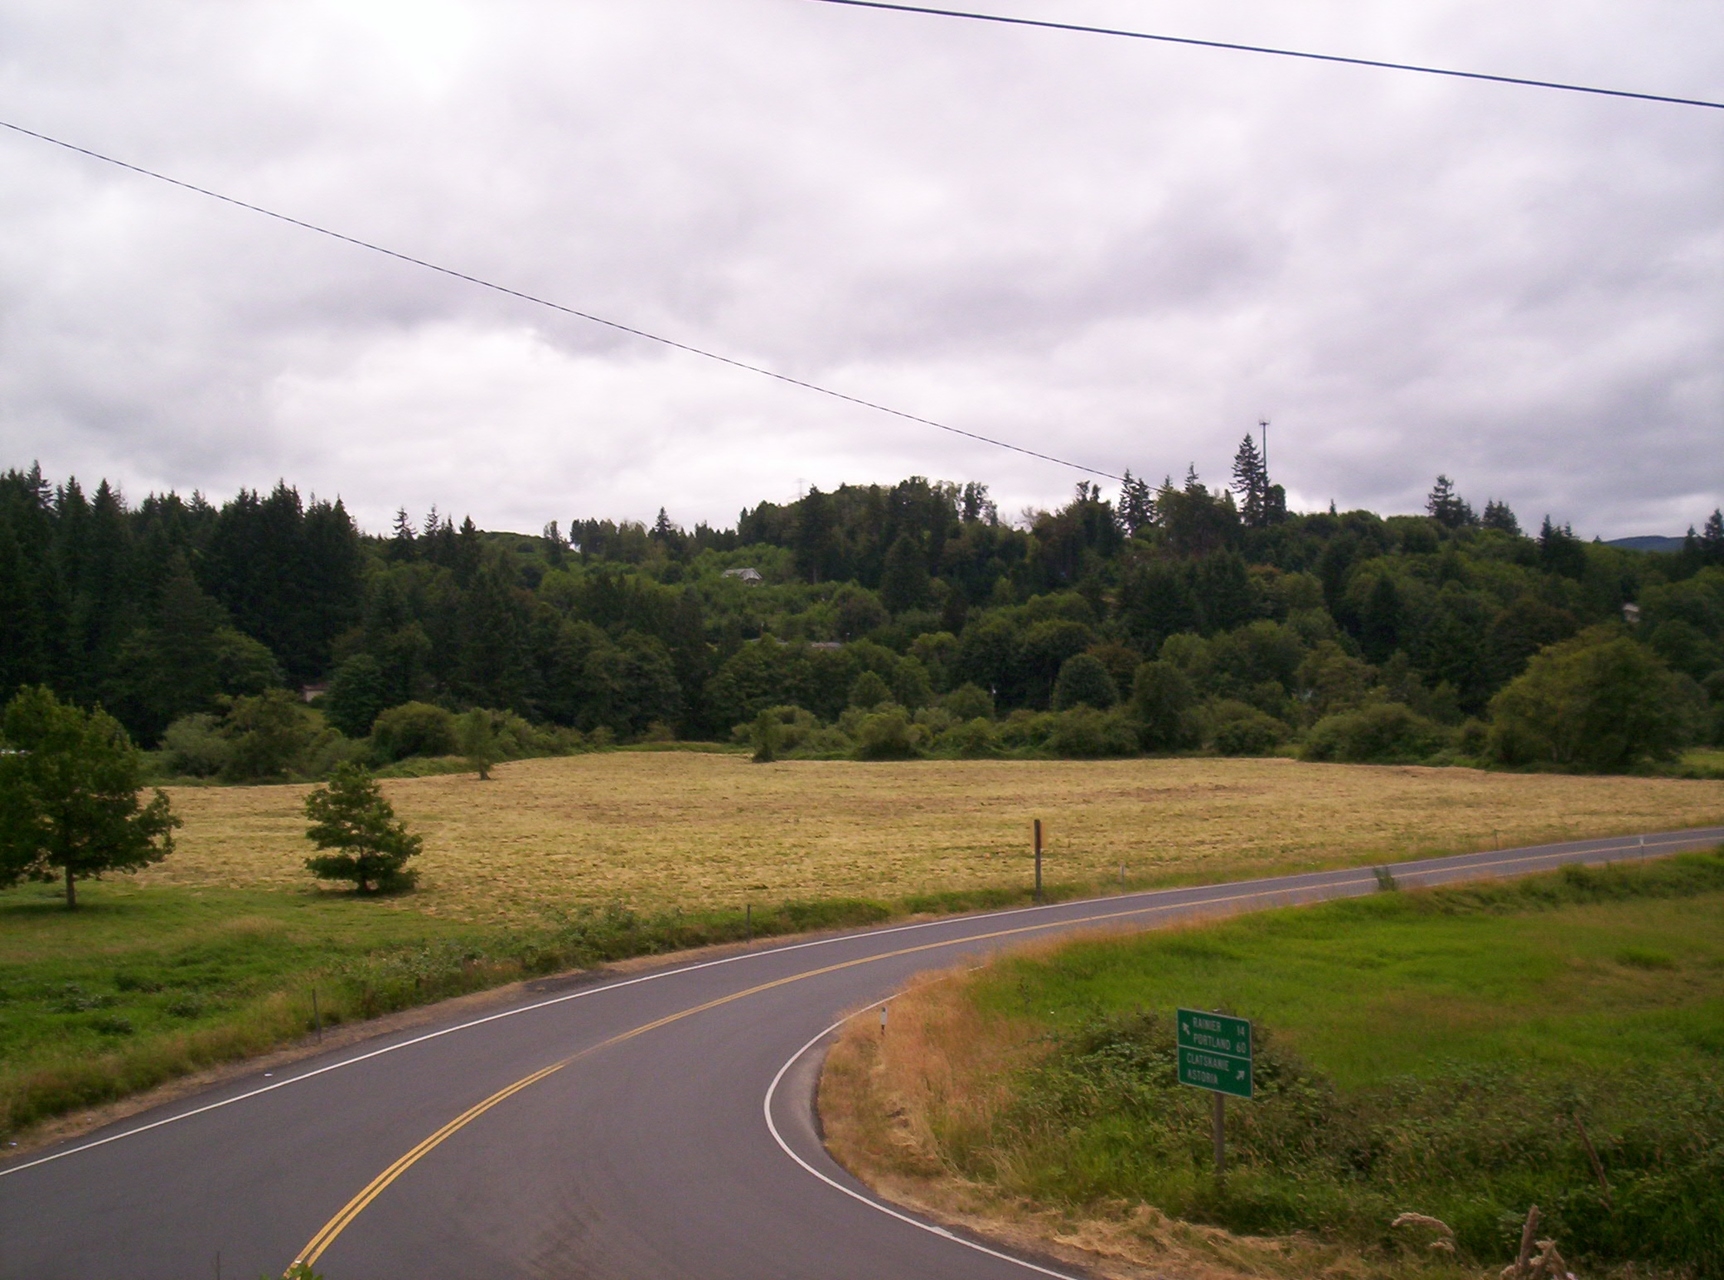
[1251,483]
[1136,503]
[402,537]
[1712,538]
[1447,507]
[904,579]
[1498,516]
[351,816]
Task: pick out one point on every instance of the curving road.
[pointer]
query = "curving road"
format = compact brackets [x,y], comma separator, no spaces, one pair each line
[646,1127]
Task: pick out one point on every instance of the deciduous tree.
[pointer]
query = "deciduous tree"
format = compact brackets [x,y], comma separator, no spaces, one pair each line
[69,806]
[1599,702]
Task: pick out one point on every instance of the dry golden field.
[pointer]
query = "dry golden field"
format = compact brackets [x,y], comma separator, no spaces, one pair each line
[669,829]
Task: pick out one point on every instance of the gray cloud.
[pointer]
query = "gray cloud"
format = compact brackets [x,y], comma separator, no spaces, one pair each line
[1119,253]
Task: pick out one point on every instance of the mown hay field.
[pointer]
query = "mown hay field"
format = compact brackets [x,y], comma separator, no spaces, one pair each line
[682,829]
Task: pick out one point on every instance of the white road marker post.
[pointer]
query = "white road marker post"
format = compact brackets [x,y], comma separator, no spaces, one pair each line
[883,1018]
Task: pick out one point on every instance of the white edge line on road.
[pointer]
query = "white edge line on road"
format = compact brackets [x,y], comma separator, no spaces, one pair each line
[1521,855]
[872,1203]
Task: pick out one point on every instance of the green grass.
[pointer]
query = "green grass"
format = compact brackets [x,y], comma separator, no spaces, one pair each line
[1700,762]
[143,984]
[1418,1051]
[140,985]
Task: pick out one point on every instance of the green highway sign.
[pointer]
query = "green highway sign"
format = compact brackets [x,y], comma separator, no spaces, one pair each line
[1214,1052]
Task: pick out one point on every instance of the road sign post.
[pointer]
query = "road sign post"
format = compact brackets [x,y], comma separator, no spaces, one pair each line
[1215,1054]
[1038,859]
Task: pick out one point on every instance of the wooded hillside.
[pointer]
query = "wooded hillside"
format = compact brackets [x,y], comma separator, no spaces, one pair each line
[1246,615]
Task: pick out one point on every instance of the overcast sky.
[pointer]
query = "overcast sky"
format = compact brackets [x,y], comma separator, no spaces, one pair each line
[1119,253]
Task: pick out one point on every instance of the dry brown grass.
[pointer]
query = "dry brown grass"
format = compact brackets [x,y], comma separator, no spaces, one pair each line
[694,830]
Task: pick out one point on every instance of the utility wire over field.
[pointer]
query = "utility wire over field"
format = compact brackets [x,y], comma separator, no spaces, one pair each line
[1305,55]
[620,327]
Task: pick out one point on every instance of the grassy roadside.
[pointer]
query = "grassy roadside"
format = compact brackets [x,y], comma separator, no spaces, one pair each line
[213,955]
[1439,1052]
[142,985]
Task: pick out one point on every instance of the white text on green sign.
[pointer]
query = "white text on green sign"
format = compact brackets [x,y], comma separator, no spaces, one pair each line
[1214,1052]
[1216,1032]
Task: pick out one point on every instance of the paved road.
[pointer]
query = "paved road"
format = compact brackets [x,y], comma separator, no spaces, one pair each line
[647,1127]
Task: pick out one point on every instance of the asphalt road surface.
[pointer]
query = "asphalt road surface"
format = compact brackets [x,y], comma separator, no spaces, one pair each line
[652,1127]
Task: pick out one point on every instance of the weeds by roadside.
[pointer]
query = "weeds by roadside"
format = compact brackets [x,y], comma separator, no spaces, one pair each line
[1457,1054]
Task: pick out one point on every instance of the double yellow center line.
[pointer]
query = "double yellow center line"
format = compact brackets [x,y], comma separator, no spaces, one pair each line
[354,1207]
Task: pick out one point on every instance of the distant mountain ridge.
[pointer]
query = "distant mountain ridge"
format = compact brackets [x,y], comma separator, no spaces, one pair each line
[1646,542]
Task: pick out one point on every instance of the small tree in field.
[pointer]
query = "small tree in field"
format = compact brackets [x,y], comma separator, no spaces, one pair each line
[478,739]
[69,796]
[350,815]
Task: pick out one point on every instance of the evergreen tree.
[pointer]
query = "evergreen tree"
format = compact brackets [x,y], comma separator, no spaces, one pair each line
[358,694]
[30,614]
[556,550]
[351,816]
[1712,538]
[1559,551]
[1447,507]
[1251,483]
[1136,504]
[816,536]
[904,578]
[1197,522]
[402,539]
[1380,621]
[1221,592]
[495,667]
[690,654]
[1498,516]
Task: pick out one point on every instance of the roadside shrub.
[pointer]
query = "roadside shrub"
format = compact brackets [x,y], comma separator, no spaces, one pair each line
[413,729]
[1103,1116]
[1085,733]
[1240,729]
[194,747]
[1379,733]
[885,735]
[971,739]
[1024,728]
[1084,681]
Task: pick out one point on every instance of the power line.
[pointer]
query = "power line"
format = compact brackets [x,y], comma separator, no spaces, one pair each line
[1279,53]
[555,306]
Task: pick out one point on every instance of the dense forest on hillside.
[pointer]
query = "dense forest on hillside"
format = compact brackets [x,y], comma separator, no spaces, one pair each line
[870,620]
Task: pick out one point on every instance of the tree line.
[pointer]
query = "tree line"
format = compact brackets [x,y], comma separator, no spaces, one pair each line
[1193,616]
